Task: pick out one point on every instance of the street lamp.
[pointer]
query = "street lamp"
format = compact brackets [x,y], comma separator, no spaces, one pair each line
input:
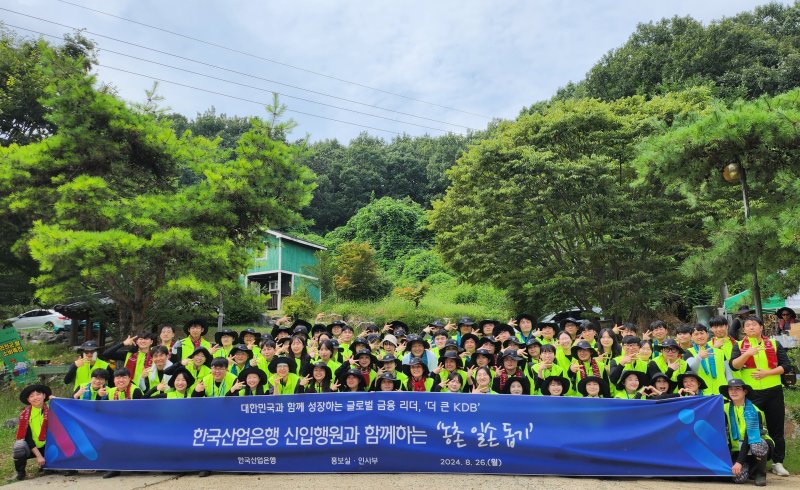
[734,172]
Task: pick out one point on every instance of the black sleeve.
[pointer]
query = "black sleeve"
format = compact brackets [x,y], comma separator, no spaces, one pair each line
[733,329]
[341,370]
[652,368]
[735,353]
[170,370]
[496,384]
[117,352]
[435,388]
[160,395]
[198,394]
[137,394]
[175,355]
[615,370]
[69,378]
[783,358]
[29,438]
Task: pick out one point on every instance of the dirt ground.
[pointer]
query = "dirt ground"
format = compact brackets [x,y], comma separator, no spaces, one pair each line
[393,481]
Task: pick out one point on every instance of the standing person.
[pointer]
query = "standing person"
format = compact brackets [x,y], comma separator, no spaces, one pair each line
[32,427]
[465,325]
[564,357]
[418,377]
[524,325]
[155,380]
[748,438]
[217,384]
[570,325]
[251,339]
[198,364]
[181,385]
[628,361]
[709,363]
[609,347]
[548,331]
[585,363]
[683,336]
[80,371]
[658,330]
[166,337]
[670,362]
[95,389]
[510,368]
[223,342]
[736,325]
[283,379]
[134,352]
[184,348]
[761,362]
[241,357]
[721,339]
[250,382]
[786,316]
[546,368]
[418,348]
[320,381]
[124,388]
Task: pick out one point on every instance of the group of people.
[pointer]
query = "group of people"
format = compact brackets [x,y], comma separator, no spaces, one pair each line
[521,357]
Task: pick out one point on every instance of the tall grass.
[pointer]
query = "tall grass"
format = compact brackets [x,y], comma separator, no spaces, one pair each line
[447,300]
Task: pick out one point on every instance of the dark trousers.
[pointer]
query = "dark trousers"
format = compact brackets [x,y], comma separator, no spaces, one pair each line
[770,401]
[19,464]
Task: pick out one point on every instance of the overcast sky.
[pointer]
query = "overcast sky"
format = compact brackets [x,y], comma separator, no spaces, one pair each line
[479,57]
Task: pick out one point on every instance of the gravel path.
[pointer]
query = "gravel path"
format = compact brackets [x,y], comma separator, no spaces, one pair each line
[393,481]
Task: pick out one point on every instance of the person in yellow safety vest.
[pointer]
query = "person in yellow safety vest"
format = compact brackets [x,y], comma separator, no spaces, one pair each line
[748,439]
[217,384]
[707,361]
[124,388]
[134,352]
[32,427]
[80,371]
[719,336]
[198,364]
[155,380]
[180,385]
[184,348]
[223,342]
[283,378]
[251,382]
[251,339]
[670,362]
[91,390]
[761,362]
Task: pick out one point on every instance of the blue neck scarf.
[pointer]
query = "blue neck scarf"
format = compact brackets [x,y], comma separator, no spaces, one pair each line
[750,420]
[708,364]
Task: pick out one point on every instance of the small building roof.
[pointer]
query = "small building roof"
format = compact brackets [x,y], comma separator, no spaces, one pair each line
[284,236]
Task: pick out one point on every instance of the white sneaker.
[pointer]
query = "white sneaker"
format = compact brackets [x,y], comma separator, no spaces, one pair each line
[779,470]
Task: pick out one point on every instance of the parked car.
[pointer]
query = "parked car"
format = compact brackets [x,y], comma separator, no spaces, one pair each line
[81,327]
[576,313]
[33,319]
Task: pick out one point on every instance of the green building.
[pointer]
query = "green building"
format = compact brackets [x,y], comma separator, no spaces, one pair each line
[285,265]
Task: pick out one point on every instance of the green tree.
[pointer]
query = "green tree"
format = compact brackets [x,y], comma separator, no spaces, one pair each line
[744,56]
[391,226]
[545,208]
[760,137]
[27,68]
[413,293]
[359,276]
[119,222]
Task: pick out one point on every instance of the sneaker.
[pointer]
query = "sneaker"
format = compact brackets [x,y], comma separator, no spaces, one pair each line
[779,470]
[110,474]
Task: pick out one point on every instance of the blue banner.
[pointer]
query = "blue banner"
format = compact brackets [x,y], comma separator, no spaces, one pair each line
[392,433]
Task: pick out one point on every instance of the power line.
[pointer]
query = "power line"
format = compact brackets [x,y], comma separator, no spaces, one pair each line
[245,85]
[242,98]
[208,43]
[200,62]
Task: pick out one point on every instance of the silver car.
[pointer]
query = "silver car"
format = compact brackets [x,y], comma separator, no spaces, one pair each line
[33,319]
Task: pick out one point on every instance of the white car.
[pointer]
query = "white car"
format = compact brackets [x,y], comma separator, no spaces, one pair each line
[33,319]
